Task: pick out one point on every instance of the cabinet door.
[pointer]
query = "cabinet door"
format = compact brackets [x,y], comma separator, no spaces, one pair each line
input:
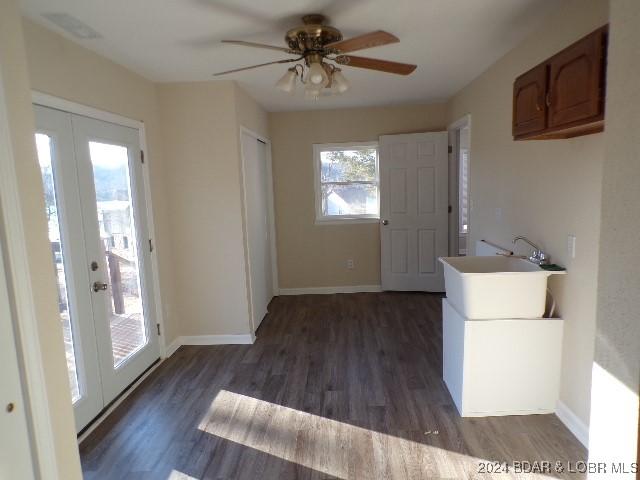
[576,80]
[529,108]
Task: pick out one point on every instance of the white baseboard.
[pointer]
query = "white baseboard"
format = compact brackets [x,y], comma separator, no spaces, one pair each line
[330,290]
[172,347]
[245,339]
[573,423]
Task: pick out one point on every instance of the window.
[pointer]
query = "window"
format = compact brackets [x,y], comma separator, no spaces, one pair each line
[346,185]
[464,191]
[463,179]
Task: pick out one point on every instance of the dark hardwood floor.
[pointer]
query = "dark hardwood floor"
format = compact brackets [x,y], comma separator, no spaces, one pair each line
[336,386]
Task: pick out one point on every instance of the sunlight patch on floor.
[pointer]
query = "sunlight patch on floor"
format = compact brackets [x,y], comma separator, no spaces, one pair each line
[329,446]
[176,475]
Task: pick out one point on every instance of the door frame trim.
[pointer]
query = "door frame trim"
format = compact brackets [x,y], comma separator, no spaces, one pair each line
[21,293]
[454,184]
[272,219]
[68,106]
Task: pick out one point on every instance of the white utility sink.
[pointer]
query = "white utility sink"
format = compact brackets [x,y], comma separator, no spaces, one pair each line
[495,287]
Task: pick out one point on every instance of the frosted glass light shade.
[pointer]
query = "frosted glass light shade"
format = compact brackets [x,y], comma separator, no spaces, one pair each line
[287,82]
[313,91]
[317,75]
[339,82]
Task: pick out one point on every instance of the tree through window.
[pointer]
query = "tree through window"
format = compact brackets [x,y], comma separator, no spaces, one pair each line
[348,181]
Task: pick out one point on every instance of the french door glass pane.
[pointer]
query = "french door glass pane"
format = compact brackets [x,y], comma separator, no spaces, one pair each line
[43,143]
[118,235]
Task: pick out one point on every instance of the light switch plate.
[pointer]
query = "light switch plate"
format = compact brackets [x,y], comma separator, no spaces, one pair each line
[571,245]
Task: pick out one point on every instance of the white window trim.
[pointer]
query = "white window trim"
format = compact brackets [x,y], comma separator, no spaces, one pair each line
[341,219]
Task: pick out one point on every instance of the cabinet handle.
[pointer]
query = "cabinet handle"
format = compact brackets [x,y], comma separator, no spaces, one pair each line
[548,99]
[538,107]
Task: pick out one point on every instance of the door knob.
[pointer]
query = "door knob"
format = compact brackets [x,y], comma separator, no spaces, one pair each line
[385,222]
[99,286]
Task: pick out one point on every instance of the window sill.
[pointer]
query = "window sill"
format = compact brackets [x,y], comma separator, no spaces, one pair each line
[346,221]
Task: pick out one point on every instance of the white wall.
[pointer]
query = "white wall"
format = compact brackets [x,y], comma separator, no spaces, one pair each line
[200,130]
[31,197]
[616,368]
[66,70]
[312,255]
[545,190]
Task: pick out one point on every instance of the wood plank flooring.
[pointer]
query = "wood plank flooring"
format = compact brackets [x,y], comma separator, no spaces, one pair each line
[336,386]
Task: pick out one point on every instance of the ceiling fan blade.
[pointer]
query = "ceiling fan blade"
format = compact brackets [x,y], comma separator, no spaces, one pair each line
[257,45]
[368,40]
[375,64]
[288,60]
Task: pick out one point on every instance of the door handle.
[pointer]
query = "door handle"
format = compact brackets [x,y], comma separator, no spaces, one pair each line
[100,286]
[385,222]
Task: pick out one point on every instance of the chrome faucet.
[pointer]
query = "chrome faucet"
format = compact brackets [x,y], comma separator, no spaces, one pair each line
[538,256]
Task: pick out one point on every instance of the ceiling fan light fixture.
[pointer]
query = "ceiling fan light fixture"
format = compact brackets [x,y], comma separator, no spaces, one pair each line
[287,82]
[339,81]
[312,91]
[317,75]
[319,51]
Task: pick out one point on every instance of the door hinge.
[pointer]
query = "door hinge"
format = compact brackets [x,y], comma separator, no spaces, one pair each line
[450,148]
[142,156]
[150,246]
[158,325]
[450,209]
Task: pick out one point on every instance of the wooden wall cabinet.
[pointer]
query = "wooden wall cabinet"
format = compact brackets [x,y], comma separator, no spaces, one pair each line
[563,97]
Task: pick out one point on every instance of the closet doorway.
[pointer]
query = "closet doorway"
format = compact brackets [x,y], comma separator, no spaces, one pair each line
[259,223]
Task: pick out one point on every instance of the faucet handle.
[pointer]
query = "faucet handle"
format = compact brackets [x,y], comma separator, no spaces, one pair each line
[539,257]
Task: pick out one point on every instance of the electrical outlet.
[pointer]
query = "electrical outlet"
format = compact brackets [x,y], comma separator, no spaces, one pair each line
[350,264]
[571,245]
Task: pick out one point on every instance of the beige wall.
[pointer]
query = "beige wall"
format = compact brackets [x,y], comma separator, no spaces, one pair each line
[546,190]
[250,114]
[21,125]
[200,125]
[616,372]
[63,69]
[312,255]
[191,163]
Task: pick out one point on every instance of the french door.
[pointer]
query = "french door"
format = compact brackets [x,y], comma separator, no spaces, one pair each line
[92,179]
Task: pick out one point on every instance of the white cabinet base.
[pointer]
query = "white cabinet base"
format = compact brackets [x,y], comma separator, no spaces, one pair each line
[503,366]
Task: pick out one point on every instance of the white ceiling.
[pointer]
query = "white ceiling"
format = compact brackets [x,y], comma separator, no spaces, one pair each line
[451,41]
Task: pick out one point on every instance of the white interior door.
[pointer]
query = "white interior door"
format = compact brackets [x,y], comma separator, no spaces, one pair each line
[414,210]
[15,449]
[98,232]
[255,158]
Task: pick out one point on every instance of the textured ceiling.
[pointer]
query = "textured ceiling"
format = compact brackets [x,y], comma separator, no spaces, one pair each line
[451,41]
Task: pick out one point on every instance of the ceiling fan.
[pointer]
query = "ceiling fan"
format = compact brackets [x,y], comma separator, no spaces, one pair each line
[318,48]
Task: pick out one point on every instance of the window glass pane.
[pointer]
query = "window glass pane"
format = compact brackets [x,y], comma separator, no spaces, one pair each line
[464,190]
[348,165]
[355,199]
[118,234]
[43,145]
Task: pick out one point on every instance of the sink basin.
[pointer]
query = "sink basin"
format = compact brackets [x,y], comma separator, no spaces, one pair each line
[495,287]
